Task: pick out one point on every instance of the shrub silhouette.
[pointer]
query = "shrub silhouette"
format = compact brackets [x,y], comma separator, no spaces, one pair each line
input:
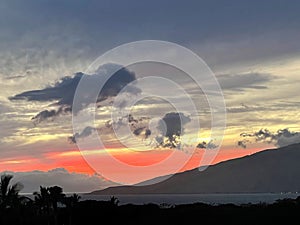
[52,207]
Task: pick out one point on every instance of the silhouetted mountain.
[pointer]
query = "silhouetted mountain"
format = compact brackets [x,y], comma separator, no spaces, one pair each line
[276,170]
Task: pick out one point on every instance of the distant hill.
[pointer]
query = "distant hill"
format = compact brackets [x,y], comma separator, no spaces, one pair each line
[268,171]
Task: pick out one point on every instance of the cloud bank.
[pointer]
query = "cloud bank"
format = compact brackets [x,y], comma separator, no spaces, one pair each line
[71,182]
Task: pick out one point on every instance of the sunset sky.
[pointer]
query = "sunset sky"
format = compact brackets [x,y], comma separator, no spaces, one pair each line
[46,47]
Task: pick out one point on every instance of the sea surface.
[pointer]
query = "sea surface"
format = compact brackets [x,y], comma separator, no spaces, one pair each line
[214,199]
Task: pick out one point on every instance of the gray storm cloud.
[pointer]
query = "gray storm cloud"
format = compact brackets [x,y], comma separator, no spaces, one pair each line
[63,91]
[281,138]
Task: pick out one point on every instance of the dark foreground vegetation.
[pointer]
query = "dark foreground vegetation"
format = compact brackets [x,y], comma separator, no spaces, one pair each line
[51,206]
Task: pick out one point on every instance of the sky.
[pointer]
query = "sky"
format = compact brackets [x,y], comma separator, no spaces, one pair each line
[46,48]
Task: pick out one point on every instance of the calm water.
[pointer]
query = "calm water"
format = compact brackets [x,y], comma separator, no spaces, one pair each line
[192,198]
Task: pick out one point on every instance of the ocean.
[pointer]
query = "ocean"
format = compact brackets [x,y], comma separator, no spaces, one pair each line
[213,199]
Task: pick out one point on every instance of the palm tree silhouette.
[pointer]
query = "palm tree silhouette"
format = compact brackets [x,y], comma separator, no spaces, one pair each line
[47,201]
[42,200]
[114,201]
[9,194]
[70,203]
[56,196]
[72,200]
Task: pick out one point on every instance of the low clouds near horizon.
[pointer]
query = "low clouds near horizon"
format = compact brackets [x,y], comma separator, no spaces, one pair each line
[69,181]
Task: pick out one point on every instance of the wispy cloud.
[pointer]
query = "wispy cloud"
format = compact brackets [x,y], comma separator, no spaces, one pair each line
[240,82]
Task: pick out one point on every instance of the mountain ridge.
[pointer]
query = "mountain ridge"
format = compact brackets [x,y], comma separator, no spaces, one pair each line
[271,170]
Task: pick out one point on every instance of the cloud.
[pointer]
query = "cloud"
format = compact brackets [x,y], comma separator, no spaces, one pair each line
[71,182]
[63,91]
[205,145]
[137,125]
[165,132]
[281,138]
[171,127]
[87,131]
[245,108]
[243,143]
[4,108]
[239,82]
[50,114]
[142,131]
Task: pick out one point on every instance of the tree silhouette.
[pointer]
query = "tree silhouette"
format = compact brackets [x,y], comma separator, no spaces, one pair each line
[9,194]
[114,201]
[42,200]
[47,201]
[70,203]
[56,195]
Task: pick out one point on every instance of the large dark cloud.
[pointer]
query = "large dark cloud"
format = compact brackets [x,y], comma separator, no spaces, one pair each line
[281,138]
[63,91]
[171,128]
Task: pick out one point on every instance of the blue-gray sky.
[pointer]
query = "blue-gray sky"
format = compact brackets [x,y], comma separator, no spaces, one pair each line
[252,47]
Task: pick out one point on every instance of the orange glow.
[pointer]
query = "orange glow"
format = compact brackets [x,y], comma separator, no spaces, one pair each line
[144,158]
[73,161]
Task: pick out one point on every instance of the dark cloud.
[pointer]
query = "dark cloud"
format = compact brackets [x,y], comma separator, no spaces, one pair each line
[138,131]
[205,145]
[167,133]
[239,82]
[137,125]
[62,92]
[171,127]
[50,114]
[280,138]
[85,133]
[243,143]
[142,131]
